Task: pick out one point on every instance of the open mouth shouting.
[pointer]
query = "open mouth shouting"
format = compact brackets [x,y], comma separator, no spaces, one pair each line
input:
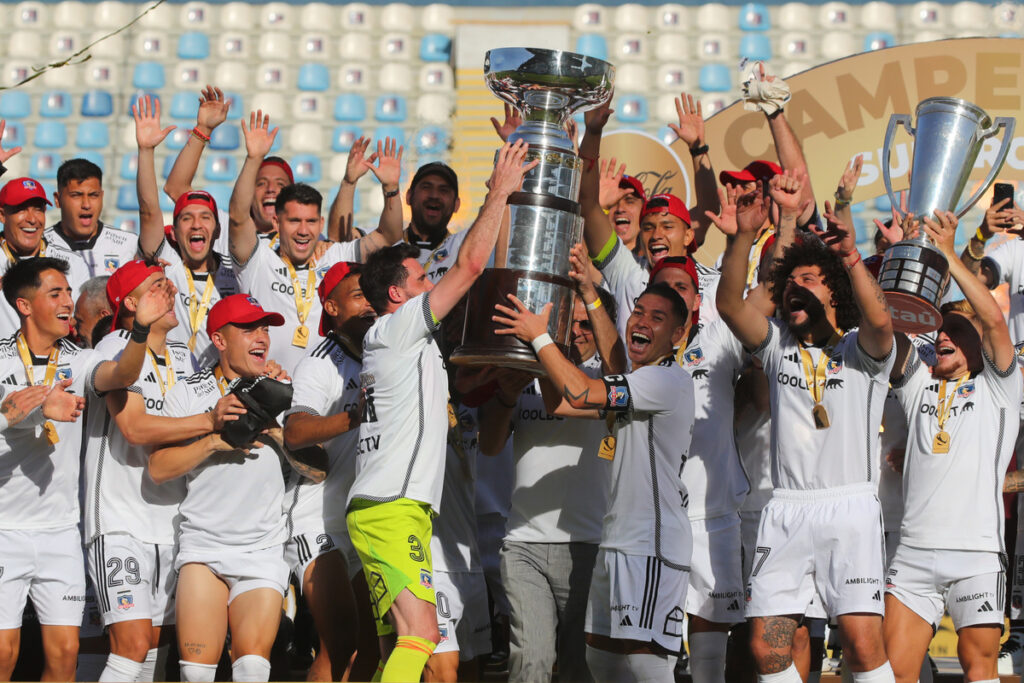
[657,249]
[639,343]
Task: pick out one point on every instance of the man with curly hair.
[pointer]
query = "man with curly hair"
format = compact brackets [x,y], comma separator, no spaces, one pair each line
[821,531]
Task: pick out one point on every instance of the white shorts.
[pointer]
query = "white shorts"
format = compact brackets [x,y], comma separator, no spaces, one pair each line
[971,584]
[716,578]
[826,541]
[637,597]
[44,565]
[750,520]
[462,617]
[301,549]
[242,571]
[133,579]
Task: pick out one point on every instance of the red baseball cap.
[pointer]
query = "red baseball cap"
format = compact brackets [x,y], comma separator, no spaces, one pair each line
[685,264]
[281,164]
[239,309]
[21,190]
[756,170]
[629,182]
[332,278]
[124,280]
[196,197]
[666,203]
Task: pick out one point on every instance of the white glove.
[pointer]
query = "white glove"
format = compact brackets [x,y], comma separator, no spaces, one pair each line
[768,95]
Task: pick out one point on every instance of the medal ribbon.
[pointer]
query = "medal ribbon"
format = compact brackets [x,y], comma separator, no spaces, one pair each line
[197,310]
[755,258]
[814,373]
[11,258]
[222,383]
[51,371]
[164,386]
[303,301]
[942,412]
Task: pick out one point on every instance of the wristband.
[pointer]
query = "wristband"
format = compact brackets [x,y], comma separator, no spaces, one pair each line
[840,204]
[541,341]
[849,266]
[590,161]
[971,254]
[139,333]
[392,193]
[199,134]
[697,151]
[981,238]
[595,305]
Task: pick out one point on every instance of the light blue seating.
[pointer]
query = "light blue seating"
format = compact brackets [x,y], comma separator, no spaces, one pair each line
[184,105]
[343,137]
[756,47]
[314,77]
[193,45]
[592,45]
[15,104]
[97,103]
[44,166]
[55,104]
[754,17]
[383,132]
[715,78]
[148,76]
[349,107]
[435,47]
[127,199]
[50,135]
[878,40]
[14,135]
[390,108]
[431,141]
[220,168]
[632,109]
[225,137]
[92,135]
[306,168]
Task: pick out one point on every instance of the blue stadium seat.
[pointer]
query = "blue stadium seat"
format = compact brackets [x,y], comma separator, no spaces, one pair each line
[715,78]
[592,45]
[128,222]
[755,17]
[632,109]
[858,207]
[306,168]
[225,137]
[349,107]
[314,77]
[343,137]
[184,105]
[127,199]
[356,200]
[222,194]
[756,47]
[221,168]
[148,76]
[435,47]
[278,143]
[878,40]
[92,135]
[97,103]
[165,168]
[94,157]
[129,166]
[44,166]
[431,141]
[179,136]
[134,97]
[14,135]
[390,108]
[193,45]
[883,204]
[55,104]
[234,101]
[166,203]
[50,135]
[382,132]
[15,104]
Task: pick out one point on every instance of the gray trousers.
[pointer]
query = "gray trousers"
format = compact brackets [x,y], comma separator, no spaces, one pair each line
[547,585]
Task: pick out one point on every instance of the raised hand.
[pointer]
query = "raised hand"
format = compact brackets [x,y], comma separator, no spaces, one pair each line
[848,181]
[62,406]
[354,165]
[389,163]
[998,218]
[508,173]
[725,219]
[213,109]
[690,128]
[751,209]
[273,370]
[902,225]
[579,271]
[784,189]
[259,138]
[596,119]
[6,154]
[837,236]
[520,321]
[146,113]
[512,121]
[609,192]
[942,231]
[228,409]
[154,304]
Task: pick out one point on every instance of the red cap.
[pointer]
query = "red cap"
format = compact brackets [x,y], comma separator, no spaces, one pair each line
[239,309]
[755,170]
[685,264]
[666,203]
[124,280]
[281,164]
[21,190]
[195,197]
[634,184]
[332,278]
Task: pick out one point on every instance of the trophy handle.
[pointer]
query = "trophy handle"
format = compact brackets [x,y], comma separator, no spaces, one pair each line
[890,132]
[1007,123]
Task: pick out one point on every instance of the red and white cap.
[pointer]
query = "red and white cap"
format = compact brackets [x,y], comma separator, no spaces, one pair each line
[332,278]
[756,170]
[239,309]
[666,203]
[124,280]
[21,190]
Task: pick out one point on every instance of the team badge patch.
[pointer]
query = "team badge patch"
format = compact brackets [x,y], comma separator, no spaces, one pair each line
[618,397]
[440,254]
[125,602]
[320,272]
[834,365]
[426,580]
[252,301]
[443,630]
[674,623]
[965,390]
[29,184]
[63,373]
[693,356]
[111,264]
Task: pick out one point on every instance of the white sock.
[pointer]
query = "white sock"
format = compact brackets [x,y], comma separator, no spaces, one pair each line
[652,668]
[90,666]
[250,668]
[882,674]
[790,675]
[608,666]
[988,680]
[148,671]
[121,669]
[707,656]
[194,672]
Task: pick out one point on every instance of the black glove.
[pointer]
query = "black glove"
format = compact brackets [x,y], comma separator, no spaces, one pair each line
[264,399]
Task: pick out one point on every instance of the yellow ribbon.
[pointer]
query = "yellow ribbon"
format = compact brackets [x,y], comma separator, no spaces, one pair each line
[197,310]
[755,258]
[814,373]
[51,372]
[164,386]
[222,383]
[11,258]
[942,412]
[303,300]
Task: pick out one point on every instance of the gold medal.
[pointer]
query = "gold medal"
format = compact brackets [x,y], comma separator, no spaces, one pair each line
[940,444]
[820,416]
[51,433]
[607,449]
[453,420]
[301,336]
[815,374]
[49,429]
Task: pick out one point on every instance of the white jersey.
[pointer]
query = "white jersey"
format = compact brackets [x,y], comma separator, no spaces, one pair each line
[225,283]
[402,437]
[890,482]
[39,481]
[561,486]
[437,262]
[653,408]
[120,496]
[954,500]
[753,430]
[326,382]
[1008,262]
[108,250]
[804,457]
[232,501]
[265,276]
[222,245]
[453,547]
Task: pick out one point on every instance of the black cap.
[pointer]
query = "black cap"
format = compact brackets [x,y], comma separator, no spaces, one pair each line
[437,168]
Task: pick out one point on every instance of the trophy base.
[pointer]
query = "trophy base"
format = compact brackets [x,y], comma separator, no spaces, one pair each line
[481,347]
[914,276]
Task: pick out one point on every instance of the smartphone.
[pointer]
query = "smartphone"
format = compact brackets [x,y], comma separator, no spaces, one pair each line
[1001,191]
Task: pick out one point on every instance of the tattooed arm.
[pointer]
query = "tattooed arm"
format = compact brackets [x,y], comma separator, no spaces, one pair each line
[1014,482]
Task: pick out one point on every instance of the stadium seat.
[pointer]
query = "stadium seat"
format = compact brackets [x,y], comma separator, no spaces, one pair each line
[71,14]
[226,138]
[236,16]
[715,78]
[343,137]
[756,47]
[927,15]
[276,16]
[316,16]
[314,77]
[272,76]
[794,16]
[306,168]
[92,135]
[272,103]
[160,18]
[353,77]
[314,46]
[190,74]
[129,222]
[184,105]
[754,17]
[307,137]
[129,166]
[632,78]
[383,132]
[193,45]
[589,17]
[44,166]
[179,136]
[101,73]
[714,17]
[24,44]
[149,45]
[309,106]
[14,135]
[220,168]
[148,76]
[349,107]
[133,97]
[712,104]
[672,18]
[221,193]
[435,47]
[195,16]
[631,47]
[97,103]
[355,46]
[397,16]
[274,45]
[63,44]
[15,104]
[835,15]
[437,18]
[233,46]
[390,108]
[63,79]
[795,45]
[55,104]
[631,17]
[1008,16]
[592,45]
[673,78]
[396,77]
[395,46]
[356,16]
[106,46]
[665,108]
[16,71]
[374,201]
[31,15]
[436,77]
[879,16]
[434,108]
[431,141]
[838,44]
[235,73]
[713,46]
[632,109]
[95,157]
[878,40]
[669,48]
[127,198]
[882,204]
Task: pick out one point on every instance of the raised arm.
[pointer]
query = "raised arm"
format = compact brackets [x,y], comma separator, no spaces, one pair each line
[143,429]
[340,227]
[740,218]
[690,130]
[388,170]
[304,429]
[148,136]
[597,229]
[213,111]
[998,218]
[259,138]
[154,303]
[609,344]
[497,413]
[786,190]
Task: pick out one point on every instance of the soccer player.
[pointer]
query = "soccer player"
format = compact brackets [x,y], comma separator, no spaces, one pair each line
[285,272]
[404,422]
[325,409]
[23,205]
[90,307]
[822,528]
[39,528]
[230,561]
[634,620]
[961,431]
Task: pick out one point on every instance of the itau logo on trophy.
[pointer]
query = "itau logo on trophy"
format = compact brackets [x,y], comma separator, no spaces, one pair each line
[950,133]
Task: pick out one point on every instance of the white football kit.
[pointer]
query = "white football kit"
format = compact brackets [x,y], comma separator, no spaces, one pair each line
[108,250]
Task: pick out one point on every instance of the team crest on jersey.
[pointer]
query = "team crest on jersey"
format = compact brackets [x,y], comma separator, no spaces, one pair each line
[63,373]
[440,255]
[29,184]
[618,397]
[965,390]
[320,272]
[693,356]
[426,580]
[443,630]
[125,602]
[111,263]
[834,365]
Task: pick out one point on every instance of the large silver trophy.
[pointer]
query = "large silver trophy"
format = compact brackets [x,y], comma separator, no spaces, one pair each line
[546,87]
[949,135]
